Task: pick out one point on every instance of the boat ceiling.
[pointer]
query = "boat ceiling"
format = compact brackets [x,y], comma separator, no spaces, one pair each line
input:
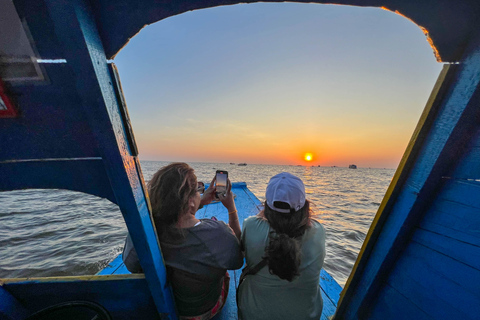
[447,23]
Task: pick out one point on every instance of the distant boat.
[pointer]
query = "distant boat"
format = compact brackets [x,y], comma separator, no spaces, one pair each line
[352,166]
[232,163]
[242,164]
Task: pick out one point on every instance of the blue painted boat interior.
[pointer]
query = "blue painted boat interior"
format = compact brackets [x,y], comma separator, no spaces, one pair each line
[70,130]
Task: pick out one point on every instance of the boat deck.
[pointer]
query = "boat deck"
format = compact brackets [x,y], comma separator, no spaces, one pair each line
[247,204]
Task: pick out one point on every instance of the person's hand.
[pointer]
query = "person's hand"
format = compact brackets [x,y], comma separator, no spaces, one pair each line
[209,194]
[227,199]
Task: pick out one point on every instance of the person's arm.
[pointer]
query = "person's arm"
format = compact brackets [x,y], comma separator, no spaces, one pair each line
[209,194]
[229,203]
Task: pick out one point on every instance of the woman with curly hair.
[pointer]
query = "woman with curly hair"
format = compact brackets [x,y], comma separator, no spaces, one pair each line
[197,252]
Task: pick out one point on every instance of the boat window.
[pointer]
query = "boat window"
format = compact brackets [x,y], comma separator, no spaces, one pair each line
[306,88]
[57,233]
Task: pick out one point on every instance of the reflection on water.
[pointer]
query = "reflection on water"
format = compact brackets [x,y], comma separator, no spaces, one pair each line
[56,232]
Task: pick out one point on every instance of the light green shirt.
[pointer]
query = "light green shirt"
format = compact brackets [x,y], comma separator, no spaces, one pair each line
[266,296]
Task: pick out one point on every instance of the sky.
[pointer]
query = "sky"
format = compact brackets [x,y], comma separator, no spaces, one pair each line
[267,83]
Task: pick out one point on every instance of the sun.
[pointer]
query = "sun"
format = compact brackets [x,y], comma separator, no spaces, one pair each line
[308,157]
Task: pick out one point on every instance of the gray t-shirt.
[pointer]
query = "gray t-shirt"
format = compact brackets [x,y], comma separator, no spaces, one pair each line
[197,264]
[266,296]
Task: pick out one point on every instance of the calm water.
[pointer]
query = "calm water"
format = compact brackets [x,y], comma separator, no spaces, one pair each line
[57,232]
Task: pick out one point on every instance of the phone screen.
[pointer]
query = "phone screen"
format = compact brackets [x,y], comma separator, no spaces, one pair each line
[221,181]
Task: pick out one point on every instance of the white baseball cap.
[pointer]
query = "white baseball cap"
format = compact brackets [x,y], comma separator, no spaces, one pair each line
[287,188]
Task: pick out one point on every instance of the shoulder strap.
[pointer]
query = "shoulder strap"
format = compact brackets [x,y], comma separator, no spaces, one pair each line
[253,270]
[258,266]
[246,271]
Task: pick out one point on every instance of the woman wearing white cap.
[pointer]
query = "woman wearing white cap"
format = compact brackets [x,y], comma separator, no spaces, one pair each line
[284,251]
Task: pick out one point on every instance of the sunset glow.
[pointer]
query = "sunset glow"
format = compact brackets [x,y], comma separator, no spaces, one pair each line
[204,86]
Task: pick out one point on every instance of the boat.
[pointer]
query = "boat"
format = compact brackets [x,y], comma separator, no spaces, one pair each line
[64,124]
[242,164]
[352,166]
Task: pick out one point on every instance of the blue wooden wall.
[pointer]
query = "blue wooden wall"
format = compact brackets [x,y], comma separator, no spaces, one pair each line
[123,296]
[438,274]
[73,132]
[422,260]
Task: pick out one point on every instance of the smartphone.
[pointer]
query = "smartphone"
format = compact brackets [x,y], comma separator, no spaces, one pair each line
[221,182]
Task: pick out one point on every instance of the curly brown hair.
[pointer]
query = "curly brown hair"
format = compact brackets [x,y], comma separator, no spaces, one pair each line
[170,190]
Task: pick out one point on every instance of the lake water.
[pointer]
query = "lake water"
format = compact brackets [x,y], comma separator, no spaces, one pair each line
[59,233]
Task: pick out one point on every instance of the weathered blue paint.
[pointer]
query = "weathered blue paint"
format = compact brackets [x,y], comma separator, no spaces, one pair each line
[52,122]
[127,126]
[113,267]
[84,175]
[391,302]
[124,297]
[89,89]
[424,276]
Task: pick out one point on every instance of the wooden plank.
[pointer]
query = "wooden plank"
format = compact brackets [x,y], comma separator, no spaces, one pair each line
[442,294]
[330,290]
[124,297]
[391,304]
[452,232]
[454,212]
[450,212]
[468,167]
[330,287]
[328,307]
[458,250]
[447,267]
[463,192]
[112,266]
[122,270]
